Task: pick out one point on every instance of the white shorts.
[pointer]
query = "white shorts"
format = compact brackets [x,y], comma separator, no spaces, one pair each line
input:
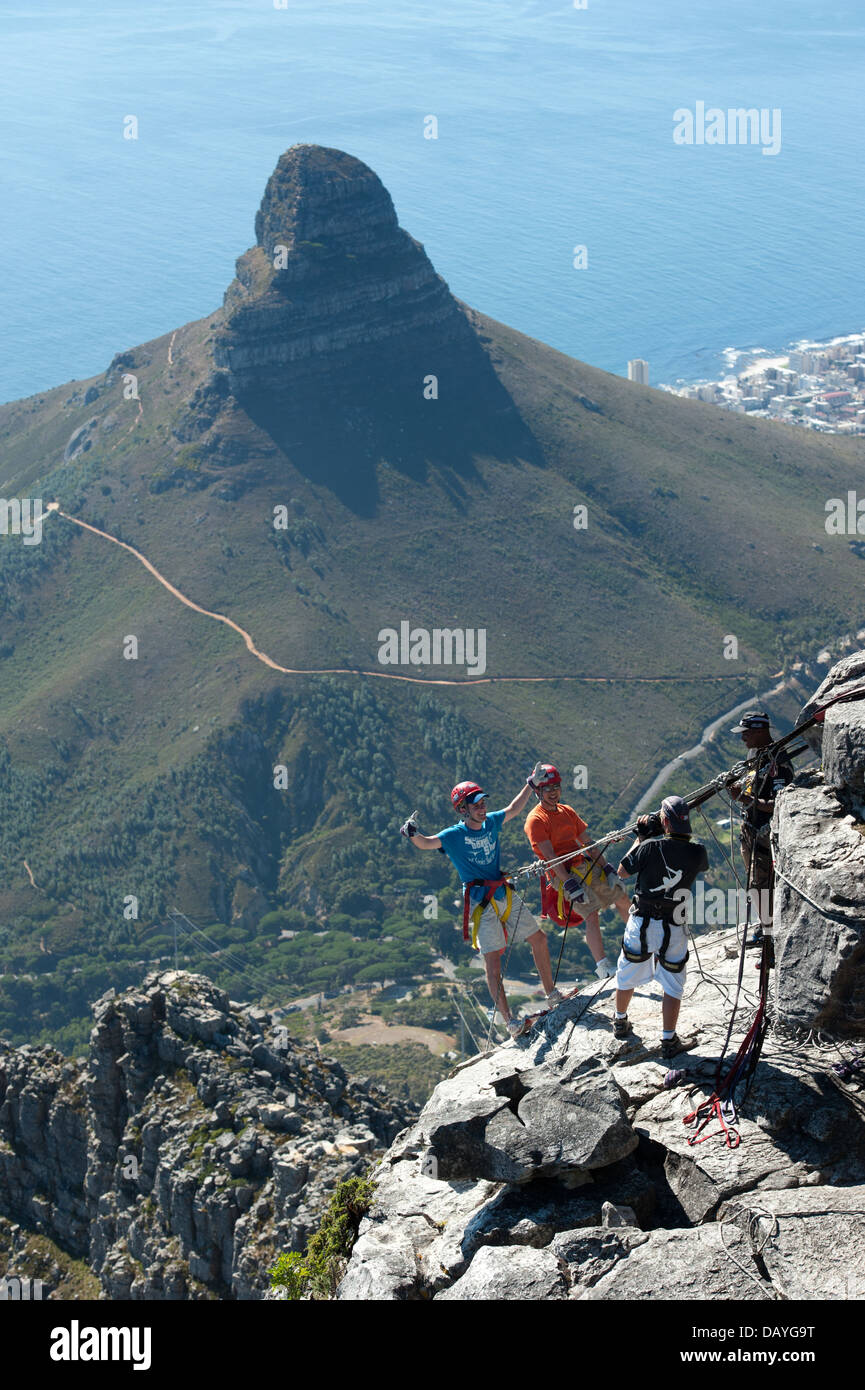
[631,973]
[520,926]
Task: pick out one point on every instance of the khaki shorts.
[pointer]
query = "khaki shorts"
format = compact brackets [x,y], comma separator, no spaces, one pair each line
[520,925]
[599,894]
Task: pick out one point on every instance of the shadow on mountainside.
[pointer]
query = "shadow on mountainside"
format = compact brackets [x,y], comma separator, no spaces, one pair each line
[340,437]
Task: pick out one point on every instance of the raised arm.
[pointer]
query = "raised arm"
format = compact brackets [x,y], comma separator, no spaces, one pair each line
[522,797]
[519,801]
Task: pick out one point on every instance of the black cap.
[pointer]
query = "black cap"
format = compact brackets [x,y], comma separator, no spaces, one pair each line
[755,719]
[678,813]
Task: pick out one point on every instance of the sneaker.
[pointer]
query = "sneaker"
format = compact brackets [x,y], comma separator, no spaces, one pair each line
[603,969]
[555,996]
[670,1047]
[621,1027]
[515,1027]
[755,940]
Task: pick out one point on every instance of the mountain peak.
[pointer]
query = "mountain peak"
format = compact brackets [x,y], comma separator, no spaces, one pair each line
[341,340]
[334,286]
[320,196]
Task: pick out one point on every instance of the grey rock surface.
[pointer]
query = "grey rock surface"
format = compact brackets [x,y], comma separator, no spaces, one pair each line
[516,1124]
[819,918]
[499,1273]
[333,284]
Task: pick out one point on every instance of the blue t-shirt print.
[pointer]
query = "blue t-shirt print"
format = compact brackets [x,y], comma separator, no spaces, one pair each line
[475,853]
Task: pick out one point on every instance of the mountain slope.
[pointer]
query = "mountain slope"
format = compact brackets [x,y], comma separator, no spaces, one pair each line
[153,777]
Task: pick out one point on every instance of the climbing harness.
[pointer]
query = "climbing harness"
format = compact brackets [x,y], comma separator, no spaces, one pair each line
[721,1103]
[714,1108]
[473,916]
[637,957]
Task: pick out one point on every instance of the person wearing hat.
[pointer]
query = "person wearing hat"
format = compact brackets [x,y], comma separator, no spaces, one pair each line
[492,910]
[769,774]
[655,944]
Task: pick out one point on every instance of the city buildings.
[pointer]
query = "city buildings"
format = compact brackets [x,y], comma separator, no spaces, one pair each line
[820,386]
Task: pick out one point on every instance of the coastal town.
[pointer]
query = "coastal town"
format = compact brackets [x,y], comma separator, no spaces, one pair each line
[820,386]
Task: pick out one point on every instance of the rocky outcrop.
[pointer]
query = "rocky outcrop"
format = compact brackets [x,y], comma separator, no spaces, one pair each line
[334,286]
[819,846]
[661,1221]
[561,1166]
[344,346]
[840,739]
[196,1144]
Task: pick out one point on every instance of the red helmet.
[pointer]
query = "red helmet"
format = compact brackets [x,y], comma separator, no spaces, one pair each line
[550,777]
[462,791]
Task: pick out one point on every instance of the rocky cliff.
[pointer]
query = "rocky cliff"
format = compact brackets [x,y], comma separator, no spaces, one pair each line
[196,1143]
[338,334]
[559,1167]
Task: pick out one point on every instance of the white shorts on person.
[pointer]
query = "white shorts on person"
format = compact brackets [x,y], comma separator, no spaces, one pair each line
[520,925]
[631,973]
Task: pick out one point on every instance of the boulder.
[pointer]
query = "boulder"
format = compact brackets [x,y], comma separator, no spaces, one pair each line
[552,1119]
[809,1239]
[509,1274]
[675,1266]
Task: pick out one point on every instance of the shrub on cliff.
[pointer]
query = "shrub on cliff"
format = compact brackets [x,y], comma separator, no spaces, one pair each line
[317,1273]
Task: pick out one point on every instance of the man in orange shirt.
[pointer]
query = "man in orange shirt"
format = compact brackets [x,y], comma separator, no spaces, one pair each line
[572,891]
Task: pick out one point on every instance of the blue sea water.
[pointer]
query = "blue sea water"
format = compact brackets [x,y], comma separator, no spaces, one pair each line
[554,130]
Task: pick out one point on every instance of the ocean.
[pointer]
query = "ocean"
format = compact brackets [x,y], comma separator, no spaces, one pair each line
[554,131]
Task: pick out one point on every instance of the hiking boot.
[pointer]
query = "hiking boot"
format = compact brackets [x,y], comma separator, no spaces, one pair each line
[603,969]
[670,1047]
[621,1027]
[555,996]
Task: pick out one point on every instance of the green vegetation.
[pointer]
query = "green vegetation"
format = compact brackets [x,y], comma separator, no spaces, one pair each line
[317,1273]
[403,1069]
[153,779]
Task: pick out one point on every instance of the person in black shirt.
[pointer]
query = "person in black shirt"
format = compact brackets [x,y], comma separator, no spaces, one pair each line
[756,792]
[655,944]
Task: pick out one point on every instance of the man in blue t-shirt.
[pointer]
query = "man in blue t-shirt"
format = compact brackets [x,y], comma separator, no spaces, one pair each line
[493,910]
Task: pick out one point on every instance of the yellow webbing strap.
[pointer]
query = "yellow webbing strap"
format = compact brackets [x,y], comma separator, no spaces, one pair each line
[502,916]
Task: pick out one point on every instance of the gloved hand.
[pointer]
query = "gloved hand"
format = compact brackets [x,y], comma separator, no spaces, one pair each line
[649,827]
[535,776]
[575,889]
[410,827]
[613,880]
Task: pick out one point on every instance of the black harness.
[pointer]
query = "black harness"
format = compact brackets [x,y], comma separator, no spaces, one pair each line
[662,909]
